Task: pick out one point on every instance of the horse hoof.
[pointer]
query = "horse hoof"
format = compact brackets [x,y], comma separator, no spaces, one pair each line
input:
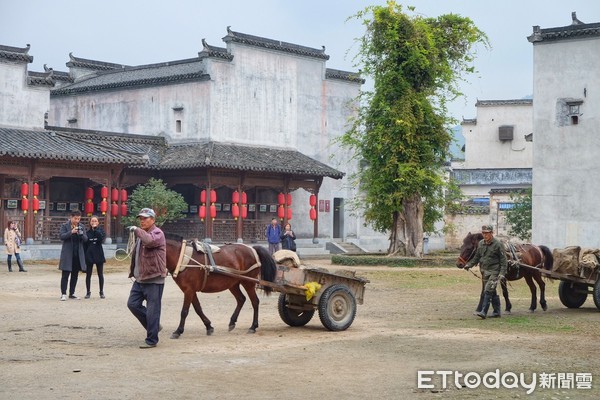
[175,335]
[251,330]
[231,327]
[545,308]
[531,311]
[209,331]
[507,312]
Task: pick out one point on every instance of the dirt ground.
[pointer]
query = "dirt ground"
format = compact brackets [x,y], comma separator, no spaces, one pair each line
[412,320]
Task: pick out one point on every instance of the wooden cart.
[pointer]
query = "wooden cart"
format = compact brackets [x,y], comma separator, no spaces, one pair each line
[573,290]
[335,300]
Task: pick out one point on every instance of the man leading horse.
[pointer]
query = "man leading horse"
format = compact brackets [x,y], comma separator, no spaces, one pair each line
[491,257]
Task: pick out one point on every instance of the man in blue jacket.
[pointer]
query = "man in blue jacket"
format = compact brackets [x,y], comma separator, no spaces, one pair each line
[273,234]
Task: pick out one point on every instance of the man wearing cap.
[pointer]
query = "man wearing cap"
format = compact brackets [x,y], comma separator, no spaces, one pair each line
[149,268]
[491,257]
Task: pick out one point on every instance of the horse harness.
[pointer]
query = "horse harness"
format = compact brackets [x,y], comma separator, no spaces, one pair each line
[186,259]
[515,251]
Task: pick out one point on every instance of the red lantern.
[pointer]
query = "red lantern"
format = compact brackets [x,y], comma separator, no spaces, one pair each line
[35,205]
[24,205]
[289,199]
[36,189]
[313,200]
[280,198]
[123,195]
[202,212]
[104,192]
[203,196]
[289,213]
[244,211]
[89,194]
[114,210]
[89,208]
[24,189]
[313,214]
[103,206]
[235,211]
[235,197]
[124,209]
[213,196]
[281,212]
[244,198]
[114,195]
[213,211]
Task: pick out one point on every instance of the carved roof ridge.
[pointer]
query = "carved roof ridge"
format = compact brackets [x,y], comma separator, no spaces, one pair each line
[214,52]
[503,102]
[272,44]
[575,30]
[92,64]
[16,53]
[331,73]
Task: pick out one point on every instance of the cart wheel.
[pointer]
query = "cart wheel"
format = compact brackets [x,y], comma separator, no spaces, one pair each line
[572,294]
[337,308]
[597,294]
[290,316]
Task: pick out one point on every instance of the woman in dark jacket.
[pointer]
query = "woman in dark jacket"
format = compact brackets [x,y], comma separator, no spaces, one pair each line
[288,238]
[94,254]
[72,256]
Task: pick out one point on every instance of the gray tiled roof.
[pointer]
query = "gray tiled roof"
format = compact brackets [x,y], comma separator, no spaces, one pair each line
[481,103]
[577,30]
[154,152]
[144,75]
[343,75]
[15,53]
[93,64]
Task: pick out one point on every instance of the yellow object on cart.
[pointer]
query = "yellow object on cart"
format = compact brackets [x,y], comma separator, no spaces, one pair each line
[311,289]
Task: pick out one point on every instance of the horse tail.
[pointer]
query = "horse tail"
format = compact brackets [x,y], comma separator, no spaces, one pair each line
[268,268]
[548,258]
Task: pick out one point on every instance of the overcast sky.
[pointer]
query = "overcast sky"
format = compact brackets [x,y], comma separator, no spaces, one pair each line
[135,32]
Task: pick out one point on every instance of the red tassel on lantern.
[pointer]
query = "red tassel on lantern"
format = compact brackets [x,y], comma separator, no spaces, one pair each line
[123,195]
[313,214]
[213,211]
[289,214]
[244,211]
[124,209]
[202,212]
[24,205]
[213,196]
[289,199]
[281,212]
[313,200]
[244,198]
[114,195]
[280,198]
[235,197]
[235,211]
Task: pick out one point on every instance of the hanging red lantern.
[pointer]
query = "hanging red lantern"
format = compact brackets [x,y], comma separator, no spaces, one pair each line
[89,193]
[235,197]
[35,205]
[281,199]
[244,211]
[213,211]
[24,189]
[24,205]
[123,195]
[289,199]
[36,189]
[213,196]
[202,212]
[104,192]
[203,196]
[289,213]
[114,195]
[235,211]
[103,206]
[281,212]
[244,198]
[313,200]
[114,210]
[124,209]
[89,208]
[313,214]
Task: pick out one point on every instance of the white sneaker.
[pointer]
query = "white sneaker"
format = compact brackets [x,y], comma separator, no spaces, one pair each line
[63,297]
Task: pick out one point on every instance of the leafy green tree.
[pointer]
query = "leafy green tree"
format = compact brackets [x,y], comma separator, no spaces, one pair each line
[167,204]
[401,132]
[519,217]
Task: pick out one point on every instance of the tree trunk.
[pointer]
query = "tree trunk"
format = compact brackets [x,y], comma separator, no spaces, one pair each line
[406,237]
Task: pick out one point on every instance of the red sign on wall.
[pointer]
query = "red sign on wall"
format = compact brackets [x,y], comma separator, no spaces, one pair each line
[321,205]
[327,205]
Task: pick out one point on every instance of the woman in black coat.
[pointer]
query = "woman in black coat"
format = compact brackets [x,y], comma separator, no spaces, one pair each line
[94,254]
[288,238]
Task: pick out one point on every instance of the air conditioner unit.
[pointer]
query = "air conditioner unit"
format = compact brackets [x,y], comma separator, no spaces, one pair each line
[505,132]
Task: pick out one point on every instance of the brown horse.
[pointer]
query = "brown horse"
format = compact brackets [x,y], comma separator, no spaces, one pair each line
[235,258]
[528,254]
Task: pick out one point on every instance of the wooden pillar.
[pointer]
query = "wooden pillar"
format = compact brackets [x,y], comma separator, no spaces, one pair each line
[208,229]
[3,220]
[29,223]
[316,224]
[107,216]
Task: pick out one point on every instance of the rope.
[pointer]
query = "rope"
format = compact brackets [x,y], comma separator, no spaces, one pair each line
[126,252]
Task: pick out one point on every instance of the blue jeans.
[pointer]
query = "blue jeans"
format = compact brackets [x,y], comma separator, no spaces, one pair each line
[148,315]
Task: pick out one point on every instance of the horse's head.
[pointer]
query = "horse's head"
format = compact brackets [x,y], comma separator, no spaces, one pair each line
[467,250]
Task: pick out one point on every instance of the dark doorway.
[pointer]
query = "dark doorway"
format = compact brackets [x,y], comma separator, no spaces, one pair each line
[338,218]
